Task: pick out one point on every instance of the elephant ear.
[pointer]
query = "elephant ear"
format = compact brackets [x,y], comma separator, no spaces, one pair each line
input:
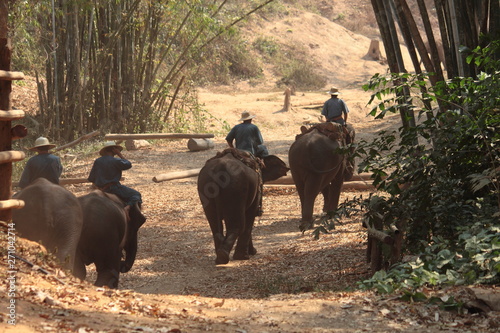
[274,168]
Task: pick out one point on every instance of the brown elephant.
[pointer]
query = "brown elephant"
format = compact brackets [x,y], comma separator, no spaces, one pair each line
[317,165]
[230,190]
[107,232]
[51,216]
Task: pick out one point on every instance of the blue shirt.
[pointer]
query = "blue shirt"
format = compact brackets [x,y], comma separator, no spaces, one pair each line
[247,137]
[46,166]
[108,169]
[333,108]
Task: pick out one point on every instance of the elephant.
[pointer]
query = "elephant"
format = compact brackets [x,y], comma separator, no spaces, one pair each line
[230,189]
[317,166]
[107,231]
[51,216]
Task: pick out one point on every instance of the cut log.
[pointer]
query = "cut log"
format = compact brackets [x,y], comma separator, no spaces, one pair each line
[176,175]
[11,204]
[80,139]
[150,136]
[380,235]
[200,144]
[11,115]
[11,156]
[136,144]
[289,180]
[8,75]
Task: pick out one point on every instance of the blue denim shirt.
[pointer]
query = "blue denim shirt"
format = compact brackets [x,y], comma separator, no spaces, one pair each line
[108,169]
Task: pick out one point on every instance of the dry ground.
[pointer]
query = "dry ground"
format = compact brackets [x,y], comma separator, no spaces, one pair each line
[293,284]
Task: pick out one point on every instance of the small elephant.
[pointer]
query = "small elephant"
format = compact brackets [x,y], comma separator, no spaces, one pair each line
[107,232]
[230,190]
[52,216]
[317,166]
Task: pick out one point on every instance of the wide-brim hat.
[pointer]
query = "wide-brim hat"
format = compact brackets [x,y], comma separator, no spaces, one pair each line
[245,115]
[109,144]
[333,91]
[42,142]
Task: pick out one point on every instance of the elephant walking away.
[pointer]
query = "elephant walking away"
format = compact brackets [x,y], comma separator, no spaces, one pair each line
[107,232]
[51,216]
[318,166]
[230,190]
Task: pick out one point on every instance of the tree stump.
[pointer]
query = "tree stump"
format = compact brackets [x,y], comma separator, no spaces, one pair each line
[287,105]
[374,50]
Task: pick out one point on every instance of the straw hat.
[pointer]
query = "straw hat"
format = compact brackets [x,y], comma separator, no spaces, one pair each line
[333,91]
[245,115]
[42,142]
[109,144]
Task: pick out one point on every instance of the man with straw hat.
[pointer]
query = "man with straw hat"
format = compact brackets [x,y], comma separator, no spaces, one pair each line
[247,136]
[106,173]
[335,109]
[42,165]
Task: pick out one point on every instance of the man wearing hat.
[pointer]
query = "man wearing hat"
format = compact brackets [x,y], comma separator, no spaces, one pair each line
[247,136]
[335,109]
[106,173]
[42,165]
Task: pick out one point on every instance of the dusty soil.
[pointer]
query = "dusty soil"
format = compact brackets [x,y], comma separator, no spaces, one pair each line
[293,284]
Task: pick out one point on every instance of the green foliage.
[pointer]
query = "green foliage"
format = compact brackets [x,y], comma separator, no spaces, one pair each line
[444,188]
[476,260]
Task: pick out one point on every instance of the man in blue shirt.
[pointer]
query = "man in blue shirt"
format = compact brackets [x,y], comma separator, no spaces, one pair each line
[335,109]
[42,165]
[106,173]
[247,136]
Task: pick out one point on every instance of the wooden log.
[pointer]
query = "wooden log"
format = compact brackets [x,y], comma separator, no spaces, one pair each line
[176,175]
[11,115]
[9,75]
[200,144]
[289,180]
[136,144]
[80,139]
[11,156]
[380,235]
[150,136]
[11,204]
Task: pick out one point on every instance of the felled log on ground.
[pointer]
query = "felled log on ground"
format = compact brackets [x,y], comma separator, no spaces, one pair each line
[136,144]
[200,144]
[176,175]
[289,180]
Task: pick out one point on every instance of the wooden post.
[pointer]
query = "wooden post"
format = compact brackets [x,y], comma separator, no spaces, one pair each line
[5,126]
[287,105]
[6,77]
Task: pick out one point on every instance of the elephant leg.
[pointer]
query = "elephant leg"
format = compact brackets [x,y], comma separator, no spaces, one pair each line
[333,196]
[108,268]
[244,246]
[234,227]
[216,226]
[130,252]
[311,191]
[79,269]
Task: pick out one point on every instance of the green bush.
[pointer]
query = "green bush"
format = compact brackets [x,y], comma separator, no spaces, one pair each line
[440,178]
